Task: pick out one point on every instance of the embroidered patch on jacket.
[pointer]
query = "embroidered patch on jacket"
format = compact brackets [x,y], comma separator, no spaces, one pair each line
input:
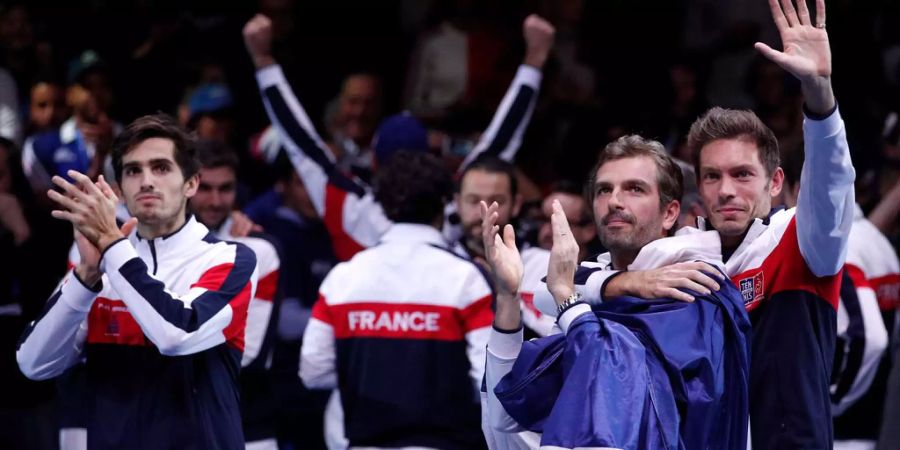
[752,288]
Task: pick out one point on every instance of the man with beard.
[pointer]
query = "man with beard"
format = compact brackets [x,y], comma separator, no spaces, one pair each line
[614,393]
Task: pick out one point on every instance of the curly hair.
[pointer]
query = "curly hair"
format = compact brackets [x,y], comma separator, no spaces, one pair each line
[413,187]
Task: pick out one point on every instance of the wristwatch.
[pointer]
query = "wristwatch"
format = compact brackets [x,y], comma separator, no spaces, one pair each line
[569,302]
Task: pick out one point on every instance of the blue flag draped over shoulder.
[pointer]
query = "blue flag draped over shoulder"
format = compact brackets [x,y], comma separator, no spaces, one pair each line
[639,374]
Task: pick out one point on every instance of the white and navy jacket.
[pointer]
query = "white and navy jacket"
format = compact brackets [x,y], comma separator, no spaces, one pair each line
[259,313]
[163,337]
[788,268]
[258,399]
[401,330]
[869,299]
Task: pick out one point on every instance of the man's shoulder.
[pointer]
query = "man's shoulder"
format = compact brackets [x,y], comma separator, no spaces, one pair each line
[263,248]
[221,251]
[686,246]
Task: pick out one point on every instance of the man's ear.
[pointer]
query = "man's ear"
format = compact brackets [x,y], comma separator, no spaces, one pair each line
[190,186]
[777,182]
[670,215]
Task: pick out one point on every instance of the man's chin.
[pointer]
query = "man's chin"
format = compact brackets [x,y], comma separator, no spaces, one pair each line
[731,227]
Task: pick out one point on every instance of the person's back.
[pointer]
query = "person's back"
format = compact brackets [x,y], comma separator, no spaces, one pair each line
[401,327]
[400,313]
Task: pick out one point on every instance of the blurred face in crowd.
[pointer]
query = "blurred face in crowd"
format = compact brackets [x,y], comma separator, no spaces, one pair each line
[15,29]
[214,127]
[215,197]
[735,186]
[583,229]
[296,197]
[480,185]
[97,83]
[154,187]
[627,206]
[47,108]
[359,106]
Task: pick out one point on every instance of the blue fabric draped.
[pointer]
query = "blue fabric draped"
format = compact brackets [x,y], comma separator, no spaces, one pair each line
[639,374]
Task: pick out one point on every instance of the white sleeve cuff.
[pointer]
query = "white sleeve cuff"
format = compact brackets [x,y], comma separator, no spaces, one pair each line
[529,75]
[505,345]
[826,127]
[592,290]
[117,255]
[76,294]
[566,319]
[269,76]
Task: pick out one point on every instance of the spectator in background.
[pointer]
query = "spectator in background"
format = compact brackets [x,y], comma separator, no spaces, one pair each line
[571,199]
[47,108]
[210,112]
[26,414]
[287,213]
[213,205]
[351,124]
[17,50]
[10,122]
[83,142]
[91,72]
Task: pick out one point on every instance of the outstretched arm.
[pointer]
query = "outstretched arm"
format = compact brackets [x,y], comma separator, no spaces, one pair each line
[353,218]
[824,205]
[503,136]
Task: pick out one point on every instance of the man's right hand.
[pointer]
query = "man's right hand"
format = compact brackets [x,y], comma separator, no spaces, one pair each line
[258,40]
[539,36]
[506,267]
[664,282]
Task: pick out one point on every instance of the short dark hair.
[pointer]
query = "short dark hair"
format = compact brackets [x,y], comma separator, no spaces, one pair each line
[493,164]
[720,123]
[668,174]
[212,154]
[413,187]
[158,125]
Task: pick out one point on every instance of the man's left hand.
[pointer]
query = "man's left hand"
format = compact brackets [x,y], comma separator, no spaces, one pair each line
[563,257]
[806,54]
[90,207]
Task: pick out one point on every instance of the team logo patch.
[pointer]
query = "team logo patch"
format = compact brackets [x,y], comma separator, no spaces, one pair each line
[751,288]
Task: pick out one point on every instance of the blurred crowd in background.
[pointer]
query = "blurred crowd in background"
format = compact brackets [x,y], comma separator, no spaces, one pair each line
[85,68]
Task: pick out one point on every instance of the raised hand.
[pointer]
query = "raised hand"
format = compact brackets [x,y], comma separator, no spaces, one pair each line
[258,40]
[89,254]
[563,257]
[501,254]
[806,53]
[539,35]
[505,265]
[242,226]
[90,207]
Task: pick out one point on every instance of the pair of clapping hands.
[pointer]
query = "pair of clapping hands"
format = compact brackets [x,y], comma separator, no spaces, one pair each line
[507,269]
[91,208]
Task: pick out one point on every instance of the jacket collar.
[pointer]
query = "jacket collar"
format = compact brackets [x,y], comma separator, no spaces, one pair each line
[414,233]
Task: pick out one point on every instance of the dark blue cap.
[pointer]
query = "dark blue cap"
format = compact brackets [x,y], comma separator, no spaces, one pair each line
[209,98]
[399,132]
